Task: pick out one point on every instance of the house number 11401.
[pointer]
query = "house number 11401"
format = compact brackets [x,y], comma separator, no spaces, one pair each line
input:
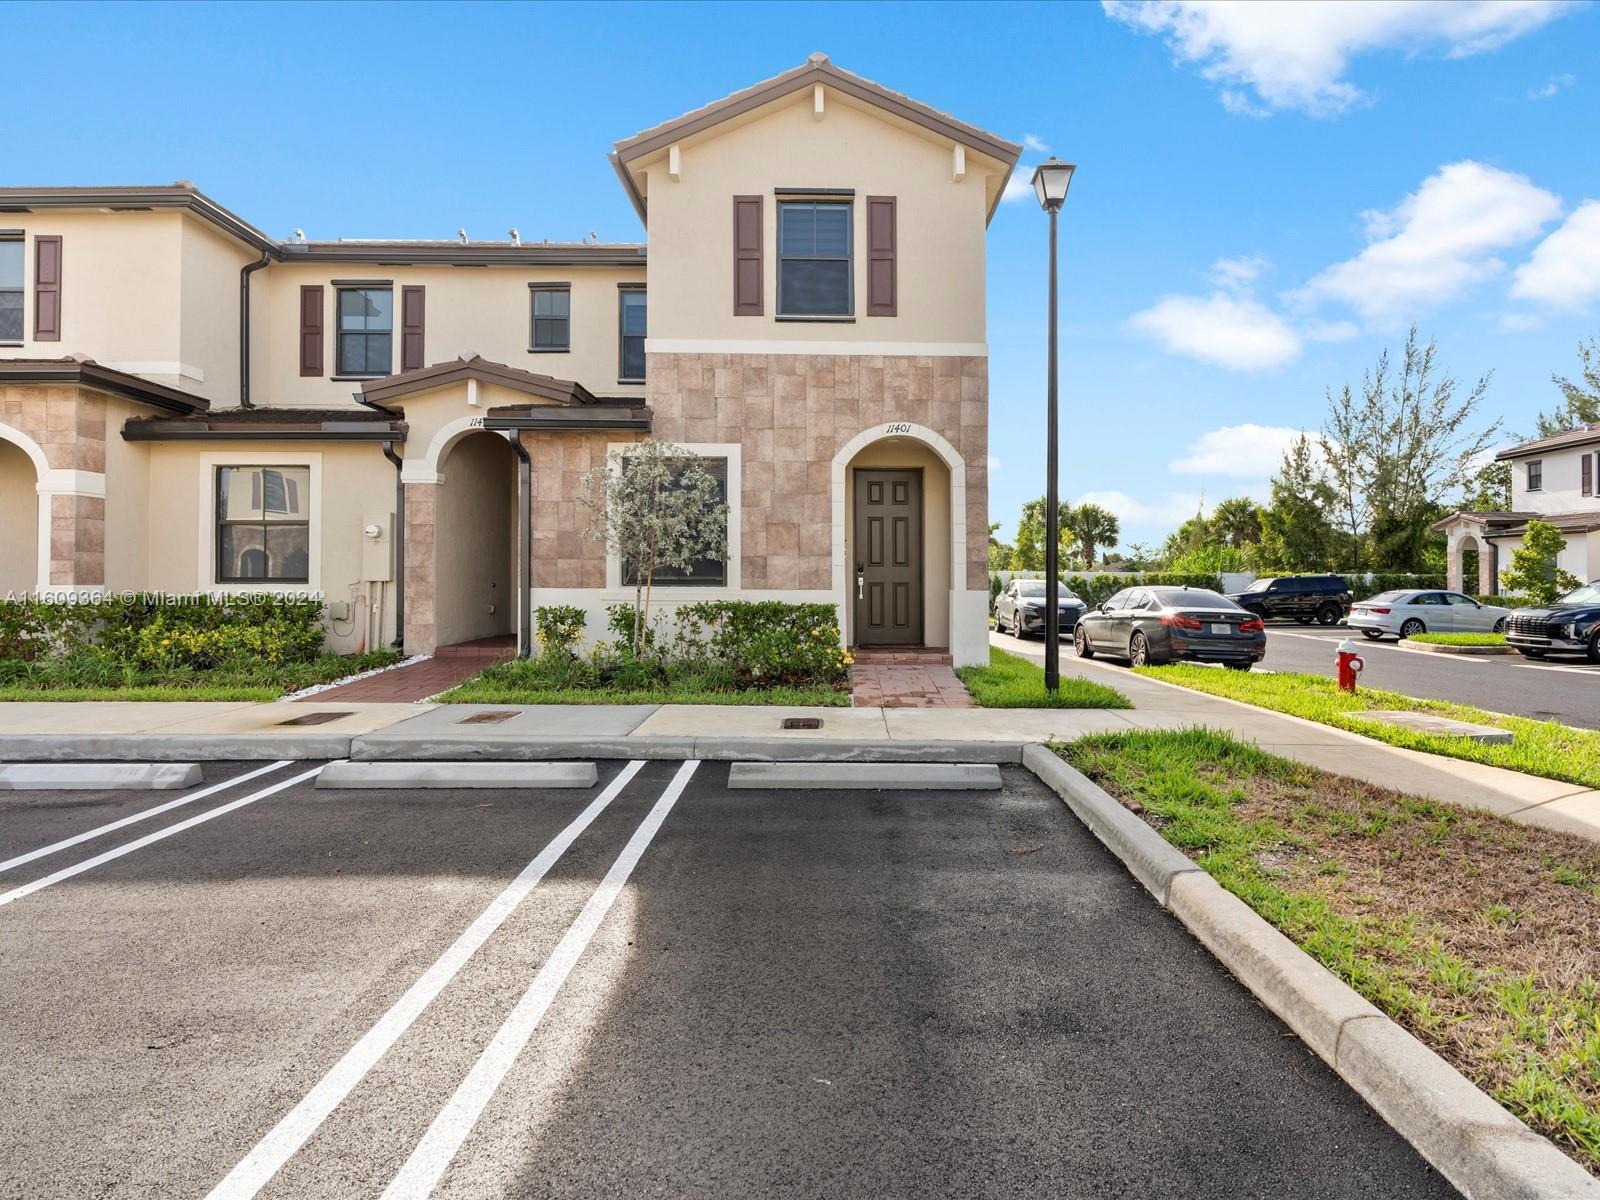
[898,427]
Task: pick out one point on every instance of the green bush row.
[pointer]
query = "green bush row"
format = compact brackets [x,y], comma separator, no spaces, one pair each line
[1095,590]
[161,632]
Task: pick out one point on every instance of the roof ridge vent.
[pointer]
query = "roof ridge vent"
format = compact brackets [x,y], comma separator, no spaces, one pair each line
[817,59]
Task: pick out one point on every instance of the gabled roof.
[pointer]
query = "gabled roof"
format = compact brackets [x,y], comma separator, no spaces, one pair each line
[1582,436]
[135,199]
[816,69]
[423,379]
[85,372]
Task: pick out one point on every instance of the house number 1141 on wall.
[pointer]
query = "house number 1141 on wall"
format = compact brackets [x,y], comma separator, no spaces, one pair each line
[898,427]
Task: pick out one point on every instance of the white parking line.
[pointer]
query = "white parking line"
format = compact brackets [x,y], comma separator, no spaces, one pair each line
[85,836]
[28,889]
[438,1147]
[290,1133]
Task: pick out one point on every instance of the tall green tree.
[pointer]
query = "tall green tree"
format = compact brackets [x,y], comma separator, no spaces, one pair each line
[999,552]
[1028,553]
[1296,534]
[1235,522]
[1094,528]
[1580,398]
[1490,489]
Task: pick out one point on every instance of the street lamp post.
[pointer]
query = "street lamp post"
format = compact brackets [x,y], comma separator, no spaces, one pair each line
[1050,182]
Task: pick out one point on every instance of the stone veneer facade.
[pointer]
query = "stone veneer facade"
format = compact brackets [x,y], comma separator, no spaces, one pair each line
[791,413]
[69,426]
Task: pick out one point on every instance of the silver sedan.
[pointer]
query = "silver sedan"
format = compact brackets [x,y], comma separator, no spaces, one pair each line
[1405,614]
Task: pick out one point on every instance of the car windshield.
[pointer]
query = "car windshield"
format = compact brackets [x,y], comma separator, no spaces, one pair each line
[1259,585]
[1033,589]
[1191,598]
[1589,593]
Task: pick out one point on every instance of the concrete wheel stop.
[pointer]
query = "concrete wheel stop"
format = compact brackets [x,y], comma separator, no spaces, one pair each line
[449,775]
[98,777]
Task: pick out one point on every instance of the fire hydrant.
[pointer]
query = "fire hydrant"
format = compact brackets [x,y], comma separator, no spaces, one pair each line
[1350,665]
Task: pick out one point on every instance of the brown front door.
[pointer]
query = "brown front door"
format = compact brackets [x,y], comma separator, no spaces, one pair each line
[888,558]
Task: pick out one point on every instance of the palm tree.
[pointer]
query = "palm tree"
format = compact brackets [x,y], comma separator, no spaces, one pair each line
[1236,522]
[1093,527]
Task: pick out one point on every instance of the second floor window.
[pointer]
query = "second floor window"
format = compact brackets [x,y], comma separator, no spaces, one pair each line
[1536,475]
[366,331]
[631,322]
[814,274]
[10,289]
[552,318]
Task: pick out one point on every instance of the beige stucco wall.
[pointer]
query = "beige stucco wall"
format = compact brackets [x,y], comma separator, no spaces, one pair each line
[208,333]
[128,516]
[19,521]
[475,541]
[903,452]
[485,311]
[940,224]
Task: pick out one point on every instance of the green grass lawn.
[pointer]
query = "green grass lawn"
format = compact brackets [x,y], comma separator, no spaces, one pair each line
[1480,936]
[1010,681]
[1542,748]
[68,681]
[1459,639]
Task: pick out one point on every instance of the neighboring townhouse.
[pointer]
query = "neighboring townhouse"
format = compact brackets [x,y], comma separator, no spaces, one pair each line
[187,403]
[1555,480]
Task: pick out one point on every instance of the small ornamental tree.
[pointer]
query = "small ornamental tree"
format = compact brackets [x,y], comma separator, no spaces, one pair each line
[655,505]
[1533,571]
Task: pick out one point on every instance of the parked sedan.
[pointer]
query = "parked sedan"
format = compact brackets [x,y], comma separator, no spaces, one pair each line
[1154,625]
[1020,608]
[1405,614]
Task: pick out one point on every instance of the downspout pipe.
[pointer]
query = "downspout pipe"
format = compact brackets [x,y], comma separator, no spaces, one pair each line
[399,547]
[245,272]
[524,579]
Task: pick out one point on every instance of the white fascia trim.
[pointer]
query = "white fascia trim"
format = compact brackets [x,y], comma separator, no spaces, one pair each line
[733,452]
[757,346]
[182,369]
[206,562]
[60,481]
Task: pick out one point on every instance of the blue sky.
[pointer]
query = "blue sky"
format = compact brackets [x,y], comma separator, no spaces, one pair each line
[1265,197]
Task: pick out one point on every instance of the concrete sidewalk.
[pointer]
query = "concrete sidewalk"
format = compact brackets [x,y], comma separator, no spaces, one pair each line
[319,729]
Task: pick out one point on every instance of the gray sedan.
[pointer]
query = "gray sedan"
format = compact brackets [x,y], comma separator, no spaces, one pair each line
[1403,614]
[1154,625]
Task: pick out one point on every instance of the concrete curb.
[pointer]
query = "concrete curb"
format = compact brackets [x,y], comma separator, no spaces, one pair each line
[465,748]
[1469,1138]
[159,747]
[1434,648]
[830,776]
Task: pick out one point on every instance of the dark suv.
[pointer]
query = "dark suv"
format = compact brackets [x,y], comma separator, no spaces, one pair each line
[1571,625]
[1307,598]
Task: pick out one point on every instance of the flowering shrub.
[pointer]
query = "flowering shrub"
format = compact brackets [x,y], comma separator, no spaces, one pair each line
[559,627]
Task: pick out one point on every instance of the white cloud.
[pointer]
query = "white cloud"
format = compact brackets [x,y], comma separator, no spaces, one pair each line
[1239,272]
[1172,509]
[993,462]
[1020,185]
[1437,242]
[1551,87]
[1330,331]
[1035,143]
[1232,331]
[1238,451]
[1564,271]
[1294,53]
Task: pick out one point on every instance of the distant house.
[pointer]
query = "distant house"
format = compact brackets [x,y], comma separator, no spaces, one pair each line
[1554,479]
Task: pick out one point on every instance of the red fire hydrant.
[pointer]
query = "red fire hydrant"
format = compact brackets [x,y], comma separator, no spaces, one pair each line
[1350,665]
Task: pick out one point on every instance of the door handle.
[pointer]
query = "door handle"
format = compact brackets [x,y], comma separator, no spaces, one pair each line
[861,587]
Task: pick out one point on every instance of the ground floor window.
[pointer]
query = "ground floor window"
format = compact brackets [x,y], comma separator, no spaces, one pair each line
[263,524]
[707,572]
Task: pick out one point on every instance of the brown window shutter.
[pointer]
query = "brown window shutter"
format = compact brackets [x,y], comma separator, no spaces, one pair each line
[747,218]
[311,330]
[1588,474]
[881,297]
[411,322]
[47,289]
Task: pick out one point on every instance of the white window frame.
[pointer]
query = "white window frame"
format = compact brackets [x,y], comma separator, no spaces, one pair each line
[688,592]
[209,462]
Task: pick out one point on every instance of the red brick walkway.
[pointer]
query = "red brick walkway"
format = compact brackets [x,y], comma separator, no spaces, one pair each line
[405,685]
[906,679]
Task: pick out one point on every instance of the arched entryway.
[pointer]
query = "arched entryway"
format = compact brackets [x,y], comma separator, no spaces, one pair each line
[1470,563]
[20,569]
[475,539]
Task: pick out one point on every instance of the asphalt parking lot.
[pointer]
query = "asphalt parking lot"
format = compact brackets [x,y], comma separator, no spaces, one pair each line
[653,987]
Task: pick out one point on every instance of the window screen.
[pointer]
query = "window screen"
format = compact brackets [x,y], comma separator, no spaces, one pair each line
[366,330]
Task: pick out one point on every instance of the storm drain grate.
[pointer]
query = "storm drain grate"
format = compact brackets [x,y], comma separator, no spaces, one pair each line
[802,723]
[489,718]
[315,718]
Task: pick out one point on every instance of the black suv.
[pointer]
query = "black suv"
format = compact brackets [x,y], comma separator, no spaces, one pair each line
[1307,598]
[1570,625]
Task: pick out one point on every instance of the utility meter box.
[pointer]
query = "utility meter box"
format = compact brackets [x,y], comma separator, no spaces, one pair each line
[377,546]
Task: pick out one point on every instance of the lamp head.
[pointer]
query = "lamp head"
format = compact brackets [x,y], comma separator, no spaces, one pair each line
[1051,179]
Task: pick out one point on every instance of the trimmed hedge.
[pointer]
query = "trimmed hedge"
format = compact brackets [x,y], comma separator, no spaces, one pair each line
[770,641]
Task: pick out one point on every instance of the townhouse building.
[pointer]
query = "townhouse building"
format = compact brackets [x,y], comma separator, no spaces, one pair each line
[190,404]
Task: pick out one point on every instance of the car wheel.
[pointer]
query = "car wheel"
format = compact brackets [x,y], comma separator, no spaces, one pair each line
[1374,634]
[1237,666]
[1080,643]
[1594,646]
[1328,614]
[1500,625]
[1411,628]
[1138,651]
